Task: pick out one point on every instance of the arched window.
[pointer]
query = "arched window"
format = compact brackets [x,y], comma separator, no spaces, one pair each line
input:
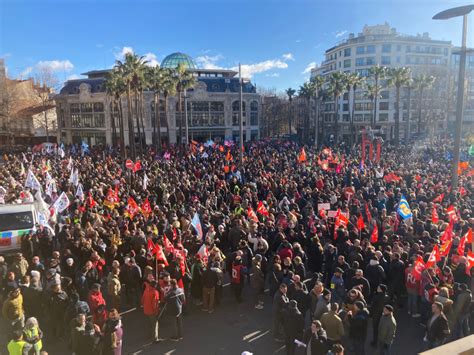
[236,112]
[254,113]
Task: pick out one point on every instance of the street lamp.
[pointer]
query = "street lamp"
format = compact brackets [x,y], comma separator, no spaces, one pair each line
[445,15]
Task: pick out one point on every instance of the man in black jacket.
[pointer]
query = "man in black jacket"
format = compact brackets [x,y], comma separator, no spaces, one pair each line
[358,322]
[359,279]
[375,274]
[174,306]
[293,324]
[315,339]
[209,283]
[280,303]
[379,301]
[438,327]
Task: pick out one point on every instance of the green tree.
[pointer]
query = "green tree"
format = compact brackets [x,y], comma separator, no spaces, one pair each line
[337,83]
[290,93]
[398,78]
[317,83]
[378,73]
[115,88]
[306,91]
[156,79]
[421,83]
[353,82]
[184,80]
[168,86]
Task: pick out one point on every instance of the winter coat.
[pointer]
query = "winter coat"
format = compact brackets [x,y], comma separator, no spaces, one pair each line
[462,304]
[113,285]
[378,303]
[387,329]
[257,280]
[293,323]
[358,325]
[174,302]
[333,325]
[322,307]
[316,342]
[150,300]
[95,299]
[13,308]
[280,302]
[375,274]
[438,330]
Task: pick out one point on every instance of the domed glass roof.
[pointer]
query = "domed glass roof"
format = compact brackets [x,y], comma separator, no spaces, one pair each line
[174,59]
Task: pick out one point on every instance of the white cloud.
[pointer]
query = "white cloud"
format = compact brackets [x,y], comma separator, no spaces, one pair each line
[209,62]
[151,59]
[55,65]
[248,70]
[298,41]
[309,67]
[288,56]
[26,72]
[273,75]
[340,33]
[121,54]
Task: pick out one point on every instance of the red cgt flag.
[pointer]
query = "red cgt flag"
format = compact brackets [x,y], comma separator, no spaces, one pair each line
[360,223]
[137,166]
[374,237]
[445,247]
[468,235]
[434,216]
[132,207]
[418,267]
[252,215]
[462,245]
[146,207]
[302,156]
[470,262]
[434,258]
[262,209]
[439,199]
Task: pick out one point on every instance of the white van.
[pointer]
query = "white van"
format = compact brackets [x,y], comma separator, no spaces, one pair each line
[15,222]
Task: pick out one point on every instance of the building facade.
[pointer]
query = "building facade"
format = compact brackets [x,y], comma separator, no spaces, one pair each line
[213,109]
[383,45]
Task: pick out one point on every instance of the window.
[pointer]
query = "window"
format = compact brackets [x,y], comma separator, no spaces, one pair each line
[360,50]
[347,52]
[363,72]
[345,96]
[254,113]
[339,64]
[236,113]
[360,95]
[399,60]
[408,49]
[329,107]
[383,117]
[16,221]
[370,60]
[347,63]
[383,106]
[386,48]
[74,108]
[87,107]
[345,107]
[358,117]
[87,115]
[370,49]
[345,118]
[385,60]
[360,62]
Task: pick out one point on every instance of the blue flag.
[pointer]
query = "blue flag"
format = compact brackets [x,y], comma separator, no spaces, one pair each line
[404,208]
[85,147]
[196,223]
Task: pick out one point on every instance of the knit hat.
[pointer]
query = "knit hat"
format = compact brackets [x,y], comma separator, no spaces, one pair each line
[389,307]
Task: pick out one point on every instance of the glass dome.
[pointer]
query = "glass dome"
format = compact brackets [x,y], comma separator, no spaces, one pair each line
[174,59]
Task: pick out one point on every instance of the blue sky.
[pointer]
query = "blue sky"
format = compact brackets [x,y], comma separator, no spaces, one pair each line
[276,40]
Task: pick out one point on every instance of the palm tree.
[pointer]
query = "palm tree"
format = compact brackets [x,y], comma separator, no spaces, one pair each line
[409,87]
[306,91]
[354,81]
[398,77]
[378,73]
[168,86]
[115,88]
[336,87]
[373,93]
[422,82]
[317,85]
[290,92]
[184,80]
[132,71]
[156,80]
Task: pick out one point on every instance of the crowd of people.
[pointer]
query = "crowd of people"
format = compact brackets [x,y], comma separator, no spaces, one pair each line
[340,243]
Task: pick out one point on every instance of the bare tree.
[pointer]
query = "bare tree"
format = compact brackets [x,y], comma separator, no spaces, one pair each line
[47,83]
[10,98]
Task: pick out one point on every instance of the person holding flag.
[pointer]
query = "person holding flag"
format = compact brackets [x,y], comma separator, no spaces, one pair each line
[404,208]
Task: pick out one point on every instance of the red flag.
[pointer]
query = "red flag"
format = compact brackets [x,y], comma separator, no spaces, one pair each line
[150,247]
[367,212]
[137,166]
[343,221]
[169,248]
[462,191]
[112,198]
[252,215]
[129,164]
[262,209]
[132,208]
[445,247]
[374,237]
[160,255]
[451,212]
[439,199]
[470,261]
[302,156]
[322,213]
[221,149]
[175,233]
[418,267]
[228,157]
[434,258]
[434,215]
[468,235]
[462,245]
[360,223]
[146,207]
[448,232]
[90,201]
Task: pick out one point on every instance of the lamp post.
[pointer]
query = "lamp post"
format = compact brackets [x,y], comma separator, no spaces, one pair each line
[445,15]
[241,120]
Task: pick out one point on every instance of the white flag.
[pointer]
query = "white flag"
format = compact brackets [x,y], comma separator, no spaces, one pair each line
[42,206]
[61,152]
[145,181]
[22,170]
[80,192]
[32,181]
[61,203]
[74,178]
[43,221]
[70,165]
[48,177]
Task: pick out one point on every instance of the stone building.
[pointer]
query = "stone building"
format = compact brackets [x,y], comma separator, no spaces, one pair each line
[84,108]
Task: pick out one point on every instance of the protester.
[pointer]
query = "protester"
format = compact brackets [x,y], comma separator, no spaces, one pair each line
[387,327]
